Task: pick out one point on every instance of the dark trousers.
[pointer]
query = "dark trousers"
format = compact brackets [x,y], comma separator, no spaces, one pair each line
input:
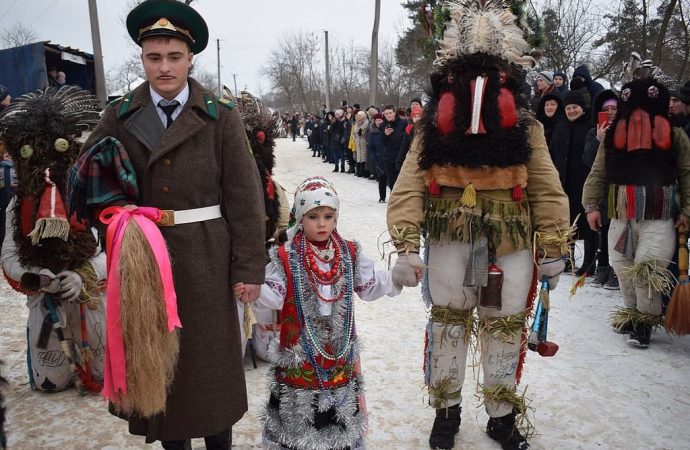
[339,157]
[391,173]
[220,441]
[382,186]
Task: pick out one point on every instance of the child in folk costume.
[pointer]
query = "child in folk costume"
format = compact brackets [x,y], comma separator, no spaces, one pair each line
[315,394]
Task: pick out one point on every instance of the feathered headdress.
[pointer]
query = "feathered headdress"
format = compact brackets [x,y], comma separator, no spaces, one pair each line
[492,27]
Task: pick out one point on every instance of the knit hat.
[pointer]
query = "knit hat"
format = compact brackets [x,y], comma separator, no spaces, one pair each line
[4,92]
[684,93]
[416,100]
[379,116]
[575,98]
[313,192]
[546,75]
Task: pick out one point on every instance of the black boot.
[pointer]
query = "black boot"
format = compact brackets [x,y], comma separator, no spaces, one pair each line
[502,429]
[446,426]
[640,335]
[336,168]
[351,168]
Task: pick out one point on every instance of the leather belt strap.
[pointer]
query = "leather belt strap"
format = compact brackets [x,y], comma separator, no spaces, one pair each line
[171,218]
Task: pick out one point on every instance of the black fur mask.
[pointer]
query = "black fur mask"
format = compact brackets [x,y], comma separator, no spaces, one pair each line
[499,147]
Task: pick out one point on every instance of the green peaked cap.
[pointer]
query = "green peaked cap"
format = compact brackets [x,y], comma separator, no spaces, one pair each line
[169,18]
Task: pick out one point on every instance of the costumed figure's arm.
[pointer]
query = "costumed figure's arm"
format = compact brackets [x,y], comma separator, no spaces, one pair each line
[11,265]
[595,184]
[372,284]
[682,147]
[548,203]
[242,196]
[406,204]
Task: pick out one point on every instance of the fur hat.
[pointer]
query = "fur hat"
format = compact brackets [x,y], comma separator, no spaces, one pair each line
[314,192]
[575,98]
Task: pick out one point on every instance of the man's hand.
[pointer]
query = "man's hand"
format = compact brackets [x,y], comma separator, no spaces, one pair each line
[594,220]
[70,285]
[551,268]
[407,270]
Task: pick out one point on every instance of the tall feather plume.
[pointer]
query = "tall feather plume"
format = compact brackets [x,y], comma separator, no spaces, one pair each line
[483,26]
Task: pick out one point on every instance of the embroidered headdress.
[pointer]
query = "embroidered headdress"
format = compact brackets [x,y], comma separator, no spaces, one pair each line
[313,192]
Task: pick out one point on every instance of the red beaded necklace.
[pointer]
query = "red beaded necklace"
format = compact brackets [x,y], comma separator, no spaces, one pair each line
[321,276]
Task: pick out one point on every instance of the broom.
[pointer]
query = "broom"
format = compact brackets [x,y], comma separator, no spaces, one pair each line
[678,313]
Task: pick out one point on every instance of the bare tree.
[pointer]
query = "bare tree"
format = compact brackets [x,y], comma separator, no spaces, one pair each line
[294,69]
[348,70]
[18,35]
[122,76]
[392,80]
[571,28]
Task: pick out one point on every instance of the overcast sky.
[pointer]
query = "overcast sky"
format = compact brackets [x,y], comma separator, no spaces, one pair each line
[247,30]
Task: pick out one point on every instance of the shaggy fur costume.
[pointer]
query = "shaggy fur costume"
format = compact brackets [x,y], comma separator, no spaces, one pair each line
[37,120]
[499,147]
[262,131]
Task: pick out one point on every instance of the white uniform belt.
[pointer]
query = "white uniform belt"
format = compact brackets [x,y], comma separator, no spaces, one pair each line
[170,218]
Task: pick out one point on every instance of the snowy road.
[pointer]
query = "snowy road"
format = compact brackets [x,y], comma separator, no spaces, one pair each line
[597,392]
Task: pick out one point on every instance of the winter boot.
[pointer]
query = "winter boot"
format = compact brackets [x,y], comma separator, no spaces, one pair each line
[358,170]
[446,426]
[624,328]
[640,335]
[351,168]
[336,168]
[502,429]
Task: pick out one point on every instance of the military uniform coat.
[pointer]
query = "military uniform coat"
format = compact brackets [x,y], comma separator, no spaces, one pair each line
[202,160]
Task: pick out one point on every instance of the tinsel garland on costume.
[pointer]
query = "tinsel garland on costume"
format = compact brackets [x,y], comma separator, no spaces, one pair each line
[290,420]
[448,220]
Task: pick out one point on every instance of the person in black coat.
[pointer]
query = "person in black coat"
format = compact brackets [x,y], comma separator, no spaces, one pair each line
[567,148]
[393,131]
[327,137]
[593,87]
[550,112]
[606,101]
[375,149]
[294,126]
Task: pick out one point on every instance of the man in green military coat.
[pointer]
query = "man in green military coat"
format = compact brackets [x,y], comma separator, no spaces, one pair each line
[190,155]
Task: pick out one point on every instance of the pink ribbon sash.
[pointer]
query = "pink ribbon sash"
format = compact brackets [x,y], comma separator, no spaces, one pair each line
[117,218]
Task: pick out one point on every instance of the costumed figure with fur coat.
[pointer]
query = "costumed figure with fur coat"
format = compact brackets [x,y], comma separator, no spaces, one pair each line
[54,259]
[261,128]
[642,169]
[316,393]
[479,185]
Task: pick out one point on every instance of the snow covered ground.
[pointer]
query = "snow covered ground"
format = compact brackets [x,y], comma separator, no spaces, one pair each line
[597,392]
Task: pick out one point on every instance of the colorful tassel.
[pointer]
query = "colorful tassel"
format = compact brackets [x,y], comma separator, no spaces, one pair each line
[518,194]
[469,196]
[434,188]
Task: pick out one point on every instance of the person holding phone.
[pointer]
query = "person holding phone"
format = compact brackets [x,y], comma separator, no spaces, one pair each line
[606,106]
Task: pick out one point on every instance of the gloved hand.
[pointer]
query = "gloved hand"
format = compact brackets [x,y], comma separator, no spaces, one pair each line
[50,287]
[551,268]
[70,285]
[407,270]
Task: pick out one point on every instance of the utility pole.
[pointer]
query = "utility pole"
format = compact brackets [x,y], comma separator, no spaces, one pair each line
[328,76]
[220,88]
[234,79]
[374,62]
[97,54]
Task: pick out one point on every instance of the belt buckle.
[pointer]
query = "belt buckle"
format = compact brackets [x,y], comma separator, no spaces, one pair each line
[167,218]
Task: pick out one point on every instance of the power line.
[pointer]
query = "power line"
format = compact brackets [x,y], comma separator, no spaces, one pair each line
[7,10]
[45,11]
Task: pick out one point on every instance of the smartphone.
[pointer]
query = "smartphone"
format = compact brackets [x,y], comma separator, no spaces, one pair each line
[602,118]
